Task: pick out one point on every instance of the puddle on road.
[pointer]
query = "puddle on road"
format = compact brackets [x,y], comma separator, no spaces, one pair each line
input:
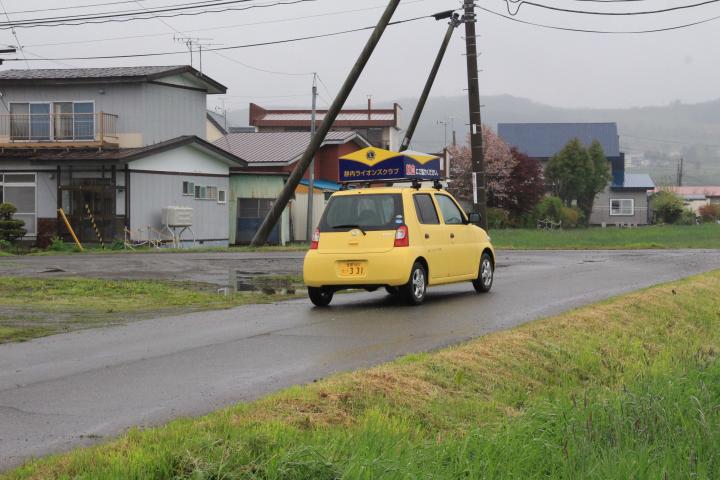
[245,282]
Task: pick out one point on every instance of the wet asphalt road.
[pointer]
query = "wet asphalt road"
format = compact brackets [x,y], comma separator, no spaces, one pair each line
[73,389]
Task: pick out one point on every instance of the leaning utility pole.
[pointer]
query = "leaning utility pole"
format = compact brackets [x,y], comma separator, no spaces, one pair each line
[476,140]
[454,23]
[294,179]
[311,179]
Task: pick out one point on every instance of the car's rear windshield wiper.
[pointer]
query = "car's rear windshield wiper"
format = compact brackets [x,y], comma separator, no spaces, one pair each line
[334,227]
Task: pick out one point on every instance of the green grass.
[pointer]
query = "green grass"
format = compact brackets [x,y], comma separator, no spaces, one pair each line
[612,238]
[94,250]
[628,388]
[31,308]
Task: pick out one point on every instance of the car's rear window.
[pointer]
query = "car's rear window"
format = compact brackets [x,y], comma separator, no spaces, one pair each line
[382,211]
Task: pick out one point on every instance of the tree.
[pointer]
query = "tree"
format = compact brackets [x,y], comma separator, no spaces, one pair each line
[526,185]
[598,180]
[577,174]
[10,228]
[667,207]
[499,163]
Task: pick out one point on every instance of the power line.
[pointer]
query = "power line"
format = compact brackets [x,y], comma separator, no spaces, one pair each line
[234,47]
[223,27]
[19,44]
[586,12]
[604,32]
[73,7]
[149,15]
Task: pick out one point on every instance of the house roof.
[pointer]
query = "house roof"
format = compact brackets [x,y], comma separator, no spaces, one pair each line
[636,181]
[105,75]
[321,185]
[279,148]
[217,120]
[709,191]
[545,140]
[120,155]
[372,117]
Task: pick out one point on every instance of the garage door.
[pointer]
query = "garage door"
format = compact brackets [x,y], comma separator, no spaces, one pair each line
[251,213]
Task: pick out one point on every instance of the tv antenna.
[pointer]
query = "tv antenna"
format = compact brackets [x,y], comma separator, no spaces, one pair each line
[195,44]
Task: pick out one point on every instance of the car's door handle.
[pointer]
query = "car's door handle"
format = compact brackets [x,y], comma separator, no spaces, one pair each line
[427,235]
[452,235]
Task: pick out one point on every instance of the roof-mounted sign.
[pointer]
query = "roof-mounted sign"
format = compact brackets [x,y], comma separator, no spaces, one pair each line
[376,165]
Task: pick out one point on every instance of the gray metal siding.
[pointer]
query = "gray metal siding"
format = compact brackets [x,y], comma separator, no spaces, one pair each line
[156,112]
[601,208]
[172,112]
[46,195]
[151,192]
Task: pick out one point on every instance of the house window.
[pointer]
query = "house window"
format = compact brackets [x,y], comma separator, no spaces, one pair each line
[204,192]
[222,196]
[254,207]
[622,207]
[189,188]
[19,189]
[52,121]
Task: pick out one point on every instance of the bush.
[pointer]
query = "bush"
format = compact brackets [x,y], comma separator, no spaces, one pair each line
[5,246]
[10,228]
[571,217]
[498,218]
[57,245]
[549,208]
[687,217]
[710,213]
[667,207]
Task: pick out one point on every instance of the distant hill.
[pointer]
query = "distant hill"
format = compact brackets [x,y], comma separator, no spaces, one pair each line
[653,137]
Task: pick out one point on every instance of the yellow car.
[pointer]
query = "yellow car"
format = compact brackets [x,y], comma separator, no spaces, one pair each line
[402,239]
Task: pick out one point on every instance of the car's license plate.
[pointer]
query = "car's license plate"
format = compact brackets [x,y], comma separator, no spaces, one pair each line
[352,269]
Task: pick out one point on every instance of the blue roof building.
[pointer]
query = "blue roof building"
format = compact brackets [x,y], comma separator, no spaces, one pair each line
[625,201]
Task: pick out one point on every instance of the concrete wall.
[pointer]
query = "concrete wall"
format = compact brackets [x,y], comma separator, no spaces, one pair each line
[256,186]
[601,208]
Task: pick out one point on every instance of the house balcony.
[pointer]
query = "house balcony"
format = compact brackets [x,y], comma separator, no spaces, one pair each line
[58,130]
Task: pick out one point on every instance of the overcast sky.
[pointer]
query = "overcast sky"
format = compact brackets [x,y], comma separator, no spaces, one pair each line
[554,67]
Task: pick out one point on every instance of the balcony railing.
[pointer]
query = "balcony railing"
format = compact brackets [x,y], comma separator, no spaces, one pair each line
[50,129]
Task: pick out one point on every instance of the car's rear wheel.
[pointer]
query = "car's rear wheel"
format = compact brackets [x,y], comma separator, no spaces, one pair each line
[414,291]
[321,297]
[486,273]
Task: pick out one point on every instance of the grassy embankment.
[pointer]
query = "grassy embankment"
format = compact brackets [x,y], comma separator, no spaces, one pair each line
[628,388]
[653,237]
[31,308]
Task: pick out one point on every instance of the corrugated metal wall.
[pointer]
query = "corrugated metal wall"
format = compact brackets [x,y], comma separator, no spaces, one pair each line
[256,186]
[151,192]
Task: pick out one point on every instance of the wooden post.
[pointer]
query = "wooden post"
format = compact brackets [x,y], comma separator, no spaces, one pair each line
[102,126]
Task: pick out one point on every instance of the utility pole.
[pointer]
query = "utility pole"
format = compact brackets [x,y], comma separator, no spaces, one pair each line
[454,23]
[454,133]
[311,180]
[681,167]
[294,179]
[476,140]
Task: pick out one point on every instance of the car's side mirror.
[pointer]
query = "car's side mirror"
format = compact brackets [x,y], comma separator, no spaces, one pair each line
[474,218]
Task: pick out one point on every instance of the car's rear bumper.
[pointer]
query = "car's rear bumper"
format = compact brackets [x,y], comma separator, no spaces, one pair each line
[381,269]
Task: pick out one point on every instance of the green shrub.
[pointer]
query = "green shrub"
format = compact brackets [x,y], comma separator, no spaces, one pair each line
[57,245]
[498,218]
[10,228]
[667,207]
[687,217]
[549,208]
[710,213]
[571,217]
[5,246]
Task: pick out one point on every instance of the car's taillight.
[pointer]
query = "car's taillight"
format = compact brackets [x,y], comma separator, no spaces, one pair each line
[402,239]
[315,239]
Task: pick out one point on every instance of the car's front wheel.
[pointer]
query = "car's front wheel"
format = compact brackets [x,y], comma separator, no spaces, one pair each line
[483,283]
[414,291]
[321,297]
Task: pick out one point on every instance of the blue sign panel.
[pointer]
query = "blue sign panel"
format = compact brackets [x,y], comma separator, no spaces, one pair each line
[367,166]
